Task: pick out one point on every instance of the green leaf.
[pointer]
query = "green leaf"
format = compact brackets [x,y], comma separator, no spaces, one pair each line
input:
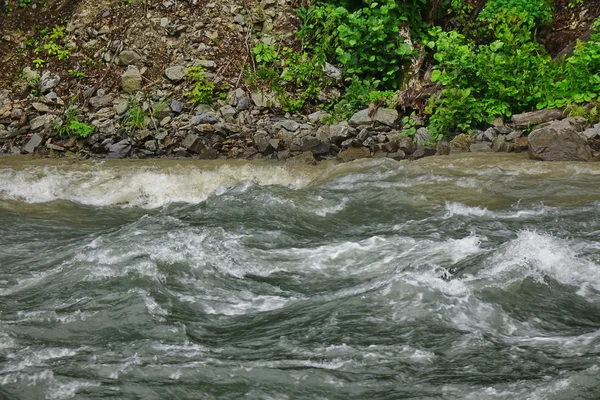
[435,75]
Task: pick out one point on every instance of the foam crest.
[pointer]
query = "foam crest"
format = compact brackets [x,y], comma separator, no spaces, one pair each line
[459,209]
[146,187]
[538,255]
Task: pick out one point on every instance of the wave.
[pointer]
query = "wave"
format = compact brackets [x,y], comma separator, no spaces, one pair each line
[144,186]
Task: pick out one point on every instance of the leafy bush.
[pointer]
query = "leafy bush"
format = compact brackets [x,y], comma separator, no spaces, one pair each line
[365,40]
[69,125]
[579,80]
[265,53]
[482,82]
[532,11]
[203,91]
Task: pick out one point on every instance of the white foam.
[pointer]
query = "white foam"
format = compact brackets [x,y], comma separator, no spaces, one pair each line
[460,209]
[147,187]
[538,255]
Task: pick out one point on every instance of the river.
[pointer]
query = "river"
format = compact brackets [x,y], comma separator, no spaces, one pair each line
[473,277]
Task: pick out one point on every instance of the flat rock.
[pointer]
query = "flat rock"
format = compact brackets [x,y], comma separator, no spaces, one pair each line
[176,106]
[305,158]
[361,118]
[128,57]
[386,116]
[41,107]
[460,144]
[48,81]
[483,147]
[558,141]
[33,143]
[101,101]
[119,150]
[176,73]
[353,153]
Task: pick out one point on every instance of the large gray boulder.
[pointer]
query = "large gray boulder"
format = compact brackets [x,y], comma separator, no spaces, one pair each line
[558,141]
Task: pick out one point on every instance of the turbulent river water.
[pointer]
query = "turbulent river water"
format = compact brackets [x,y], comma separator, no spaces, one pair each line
[447,278]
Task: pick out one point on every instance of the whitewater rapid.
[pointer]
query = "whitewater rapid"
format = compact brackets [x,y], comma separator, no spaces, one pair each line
[450,278]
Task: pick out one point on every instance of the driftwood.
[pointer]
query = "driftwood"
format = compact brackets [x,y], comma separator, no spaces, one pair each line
[537,117]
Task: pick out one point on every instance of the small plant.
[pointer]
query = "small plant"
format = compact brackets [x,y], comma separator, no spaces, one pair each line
[135,118]
[69,125]
[265,53]
[202,91]
[24,3]
[39,62]
[76,74]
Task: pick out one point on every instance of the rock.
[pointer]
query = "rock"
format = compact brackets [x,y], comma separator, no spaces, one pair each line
[176,106]
[403,143]
[121,107]
[205,118]
[289,125]
[101,101]
[261,99]
[360,118]
[353,153]
[198,145]
[41,107]
[274,143]
[33,143]
[514,135]
[30,75]
[490,134]
[128,57]
[48,81]
[385,116]
[332,72]
[422,136]
[339,132]
[590,133]
[442,148]
[176,73]
[242,104]
[364,134]
[119,150]
[131,80]
[482,147]
[423,151]
[317,117]
[537,117]
[521,144]
[558,141]
[41,121]
[239,19]
[501,145]
[305,158]
[397,155]
[150,145]
[208,65]
[460,144]
[315,146]
[227,112]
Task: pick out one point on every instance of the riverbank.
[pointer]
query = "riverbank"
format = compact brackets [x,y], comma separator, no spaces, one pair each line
[241,127]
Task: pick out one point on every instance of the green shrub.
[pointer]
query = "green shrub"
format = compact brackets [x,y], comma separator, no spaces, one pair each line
[265,53]
[69,125]
[203,91]
[136,117]
[579,80]
[481,82]
[533,11]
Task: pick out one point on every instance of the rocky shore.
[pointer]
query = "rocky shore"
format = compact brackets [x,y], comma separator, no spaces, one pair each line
[243,127]
[125,81]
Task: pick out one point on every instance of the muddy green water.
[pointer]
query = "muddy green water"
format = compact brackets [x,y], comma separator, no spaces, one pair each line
[475,277]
